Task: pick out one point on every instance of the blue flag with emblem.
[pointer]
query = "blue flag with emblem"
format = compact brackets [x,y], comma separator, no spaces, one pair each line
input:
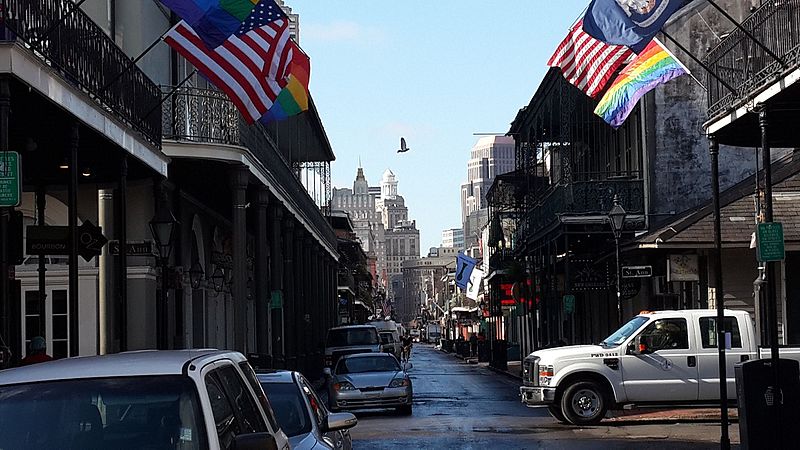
[464,267]
[632,23]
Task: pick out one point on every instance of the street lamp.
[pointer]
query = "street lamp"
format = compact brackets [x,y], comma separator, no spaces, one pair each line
[162,227]
[616,217]
[196,274]
[217,280]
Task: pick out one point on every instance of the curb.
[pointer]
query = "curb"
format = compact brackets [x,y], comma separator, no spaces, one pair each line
[503,372]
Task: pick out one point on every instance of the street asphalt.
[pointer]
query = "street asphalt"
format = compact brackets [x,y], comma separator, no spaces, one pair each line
[466,406]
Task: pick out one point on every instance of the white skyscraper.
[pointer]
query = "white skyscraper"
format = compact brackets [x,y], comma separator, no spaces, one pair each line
[491,156]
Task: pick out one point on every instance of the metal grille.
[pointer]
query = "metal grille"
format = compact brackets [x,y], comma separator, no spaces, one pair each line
[86,57]
[206,115]
[746,66]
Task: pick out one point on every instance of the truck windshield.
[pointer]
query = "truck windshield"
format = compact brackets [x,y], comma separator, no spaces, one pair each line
[624,332]
[127,412]
[344,337]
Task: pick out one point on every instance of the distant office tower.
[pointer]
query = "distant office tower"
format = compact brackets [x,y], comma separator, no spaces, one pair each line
[453,238]
[294,21]
[380,221]
[491,156]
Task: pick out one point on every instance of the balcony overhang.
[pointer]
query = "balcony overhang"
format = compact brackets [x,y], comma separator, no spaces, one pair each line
[739,125]
[232,154]
[26,67]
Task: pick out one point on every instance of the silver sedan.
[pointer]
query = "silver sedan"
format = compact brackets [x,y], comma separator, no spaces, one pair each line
[371,380]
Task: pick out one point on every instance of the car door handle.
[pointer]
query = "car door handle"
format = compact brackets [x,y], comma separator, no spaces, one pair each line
[691,361]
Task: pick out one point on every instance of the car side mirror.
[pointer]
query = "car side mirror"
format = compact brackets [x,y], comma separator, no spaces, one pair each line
[407,366]
[340,421]
[255,441]
[327,371]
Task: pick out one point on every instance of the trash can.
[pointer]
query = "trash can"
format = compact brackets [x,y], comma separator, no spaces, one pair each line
[499,358]
[758,403]
[463,348]
[447,345]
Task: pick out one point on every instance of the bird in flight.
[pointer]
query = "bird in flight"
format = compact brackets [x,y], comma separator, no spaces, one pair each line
[403,147]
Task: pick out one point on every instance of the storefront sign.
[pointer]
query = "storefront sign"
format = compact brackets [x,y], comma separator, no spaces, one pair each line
[682,268]
[133,248]
[569,304]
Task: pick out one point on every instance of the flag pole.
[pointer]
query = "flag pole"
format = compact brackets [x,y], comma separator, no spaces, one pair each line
[688,72]
[748,34]
[133,62]
[701,63]
[165,97]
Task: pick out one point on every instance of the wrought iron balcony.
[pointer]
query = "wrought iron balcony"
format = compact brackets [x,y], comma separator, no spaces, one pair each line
[207,116]
[86,57]
[582,198]
[747,67]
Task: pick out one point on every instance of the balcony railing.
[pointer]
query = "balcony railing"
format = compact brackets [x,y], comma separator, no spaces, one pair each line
[208,116]
[86,57]
[746,66]
[583,198]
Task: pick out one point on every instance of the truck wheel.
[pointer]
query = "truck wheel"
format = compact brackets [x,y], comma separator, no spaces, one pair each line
[555,411]
[583,403]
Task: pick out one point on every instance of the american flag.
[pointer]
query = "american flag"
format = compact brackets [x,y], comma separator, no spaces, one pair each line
[249,64]
[586,62]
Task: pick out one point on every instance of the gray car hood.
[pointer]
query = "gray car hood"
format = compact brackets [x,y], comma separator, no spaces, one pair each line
[370,379]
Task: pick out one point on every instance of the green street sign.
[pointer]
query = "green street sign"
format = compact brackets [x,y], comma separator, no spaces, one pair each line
[9,179]
[277,300]
[770,242]
[569,304]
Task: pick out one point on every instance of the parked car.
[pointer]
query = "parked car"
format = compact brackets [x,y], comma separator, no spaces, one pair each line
[349,340]
[371,381]
[303,416]
[186,399]
[390,338]
[656,358]
[433,333]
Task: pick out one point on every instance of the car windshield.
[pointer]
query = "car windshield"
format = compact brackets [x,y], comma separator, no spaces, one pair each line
[367,364]
[387,338]
[289,406]
[624,332]
[352,336]
[154,412]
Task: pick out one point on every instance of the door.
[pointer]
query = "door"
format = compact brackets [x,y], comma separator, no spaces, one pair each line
[708,356]
[56,331]
[667,374]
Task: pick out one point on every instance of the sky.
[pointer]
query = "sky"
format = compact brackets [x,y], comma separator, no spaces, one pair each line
[433,71]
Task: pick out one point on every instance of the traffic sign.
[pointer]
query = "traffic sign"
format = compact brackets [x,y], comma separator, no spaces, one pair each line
[133,248]
[47,240]
[770,242]
[637,271]
[90,240]
[9,179]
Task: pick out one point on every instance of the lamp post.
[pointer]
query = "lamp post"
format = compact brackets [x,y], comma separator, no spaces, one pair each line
[162,226]
[616,217]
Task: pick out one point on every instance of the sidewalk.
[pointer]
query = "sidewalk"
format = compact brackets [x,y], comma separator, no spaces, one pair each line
[632,415]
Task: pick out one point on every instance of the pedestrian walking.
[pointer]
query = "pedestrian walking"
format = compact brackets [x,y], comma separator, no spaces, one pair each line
[37,352]
[473,345]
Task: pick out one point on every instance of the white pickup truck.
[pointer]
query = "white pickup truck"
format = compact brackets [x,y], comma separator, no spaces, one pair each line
[665,357]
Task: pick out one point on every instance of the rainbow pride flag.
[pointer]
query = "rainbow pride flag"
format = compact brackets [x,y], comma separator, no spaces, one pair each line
[214,21]
[293,99]
[655,65]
